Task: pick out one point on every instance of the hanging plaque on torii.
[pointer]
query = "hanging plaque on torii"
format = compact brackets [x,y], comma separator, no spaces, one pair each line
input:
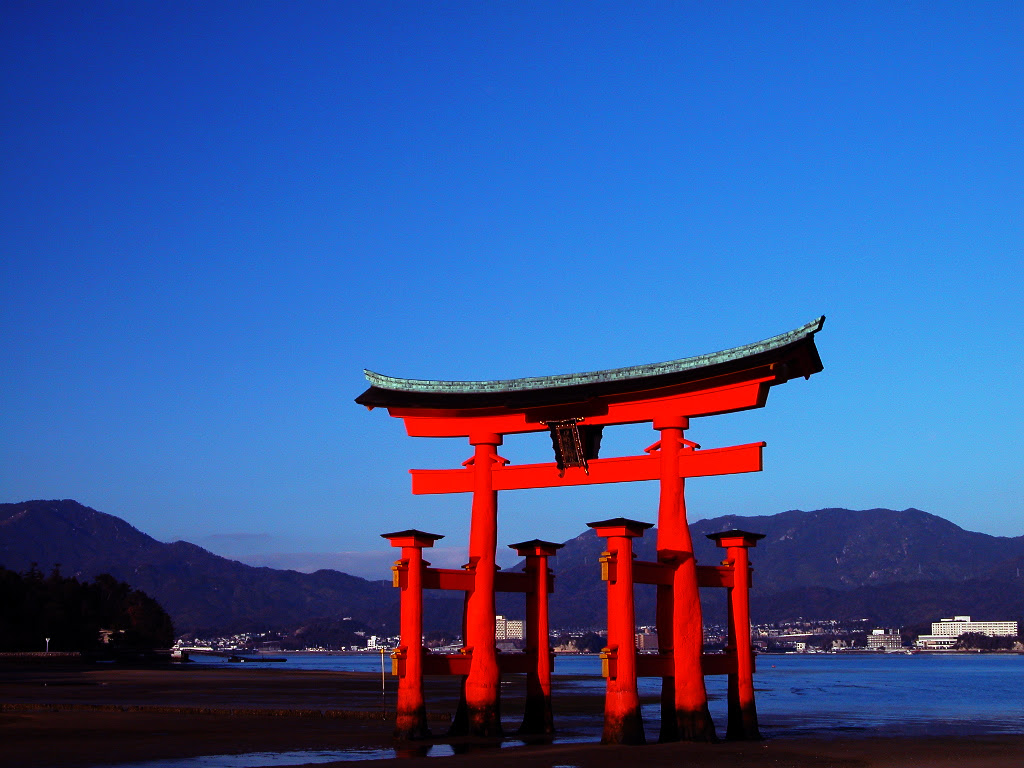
[574,409]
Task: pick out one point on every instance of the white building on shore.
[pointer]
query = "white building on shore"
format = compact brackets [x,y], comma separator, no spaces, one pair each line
[946,631]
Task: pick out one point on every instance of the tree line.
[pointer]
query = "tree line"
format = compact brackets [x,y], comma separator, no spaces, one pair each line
[77,615]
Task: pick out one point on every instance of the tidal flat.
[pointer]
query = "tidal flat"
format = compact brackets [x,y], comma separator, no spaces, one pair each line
[75,715]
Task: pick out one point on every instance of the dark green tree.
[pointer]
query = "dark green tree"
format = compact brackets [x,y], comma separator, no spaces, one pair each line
[72,614]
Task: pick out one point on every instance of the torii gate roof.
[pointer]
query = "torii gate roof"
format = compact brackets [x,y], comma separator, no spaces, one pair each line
[791,354]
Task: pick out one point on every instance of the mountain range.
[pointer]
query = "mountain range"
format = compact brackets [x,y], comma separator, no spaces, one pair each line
[205,594]
[895,568]
[892,567]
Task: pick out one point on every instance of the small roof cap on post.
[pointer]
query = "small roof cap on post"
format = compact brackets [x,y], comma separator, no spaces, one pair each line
[536,547]
[736,538]
[620,526]
[411,538]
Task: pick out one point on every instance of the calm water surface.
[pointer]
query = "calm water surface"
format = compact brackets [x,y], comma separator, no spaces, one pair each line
[797,695]
[821,694]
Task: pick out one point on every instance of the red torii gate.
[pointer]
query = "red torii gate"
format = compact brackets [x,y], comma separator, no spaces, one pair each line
[574,408]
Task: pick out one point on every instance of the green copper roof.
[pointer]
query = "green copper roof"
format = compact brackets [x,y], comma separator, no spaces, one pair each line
[631,373]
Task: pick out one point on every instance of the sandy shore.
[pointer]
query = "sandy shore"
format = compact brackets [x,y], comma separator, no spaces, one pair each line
[76,716]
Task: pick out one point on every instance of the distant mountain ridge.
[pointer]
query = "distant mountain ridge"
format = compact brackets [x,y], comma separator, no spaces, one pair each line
[894,567]
[855,548]
[203,592]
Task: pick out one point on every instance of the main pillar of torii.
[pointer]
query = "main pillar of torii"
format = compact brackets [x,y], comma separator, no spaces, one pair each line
[574,409]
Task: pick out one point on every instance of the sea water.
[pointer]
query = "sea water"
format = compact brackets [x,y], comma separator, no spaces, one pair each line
[812,694]
[820,695]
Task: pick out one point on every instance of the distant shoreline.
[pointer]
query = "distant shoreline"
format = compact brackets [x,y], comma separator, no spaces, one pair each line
[857,652]
[77,655]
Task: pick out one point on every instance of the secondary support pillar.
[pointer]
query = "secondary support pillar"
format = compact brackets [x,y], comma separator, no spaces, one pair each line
[411,720]
[537,717]
[623,723]
[483,684]
[742,725]
[684,700]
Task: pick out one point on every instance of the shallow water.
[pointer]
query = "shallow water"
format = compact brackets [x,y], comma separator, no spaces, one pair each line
[819,694]
[310,757]
[797,695]
[891,694]
[262,759]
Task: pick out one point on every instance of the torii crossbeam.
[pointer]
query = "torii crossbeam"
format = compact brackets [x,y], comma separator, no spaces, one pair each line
[574,408]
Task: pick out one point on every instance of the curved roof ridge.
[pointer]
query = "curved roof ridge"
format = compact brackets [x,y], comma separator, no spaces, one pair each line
[393,383]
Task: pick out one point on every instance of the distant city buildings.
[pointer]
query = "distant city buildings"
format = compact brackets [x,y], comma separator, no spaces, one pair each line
[507,629]
[960,625]
[945,632]
[800,636]
[647,640]
[884,640]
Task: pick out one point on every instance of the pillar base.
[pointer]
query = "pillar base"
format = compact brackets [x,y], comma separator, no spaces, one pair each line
[695,726]
[460,721]
[742,723]
[484,721]
[537,718]
[623,729]
[669,727]
[412,726]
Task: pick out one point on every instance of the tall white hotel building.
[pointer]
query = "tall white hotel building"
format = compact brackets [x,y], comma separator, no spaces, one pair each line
[946,631]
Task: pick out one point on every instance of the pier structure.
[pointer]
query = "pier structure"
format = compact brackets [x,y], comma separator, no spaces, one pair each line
[574,409]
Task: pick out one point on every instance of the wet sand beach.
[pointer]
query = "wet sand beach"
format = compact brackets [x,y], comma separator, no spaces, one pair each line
[77,716]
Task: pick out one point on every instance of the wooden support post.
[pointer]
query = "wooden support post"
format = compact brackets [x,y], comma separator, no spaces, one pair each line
[684,713]
[742,724]
[623,723]
[411,718]
[483,684]
[537,717]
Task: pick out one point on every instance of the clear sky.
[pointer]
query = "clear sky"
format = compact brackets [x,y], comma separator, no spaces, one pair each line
[214,215]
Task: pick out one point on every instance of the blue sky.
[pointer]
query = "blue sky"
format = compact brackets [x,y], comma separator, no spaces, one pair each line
[215,215]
